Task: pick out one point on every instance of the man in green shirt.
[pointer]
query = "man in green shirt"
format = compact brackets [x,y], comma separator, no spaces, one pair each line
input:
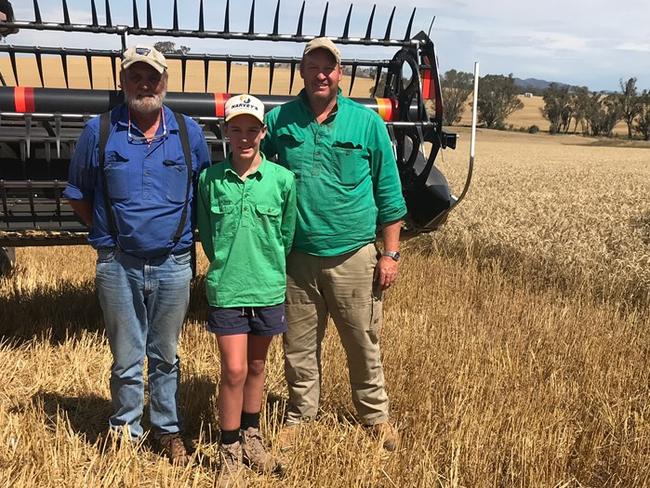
[347,183]
[246,219]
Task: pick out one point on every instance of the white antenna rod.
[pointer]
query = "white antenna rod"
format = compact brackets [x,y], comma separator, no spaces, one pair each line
[472,142]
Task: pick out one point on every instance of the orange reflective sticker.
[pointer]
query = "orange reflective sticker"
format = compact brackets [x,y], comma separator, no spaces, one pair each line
[24,99]
[385,108]
[220,104]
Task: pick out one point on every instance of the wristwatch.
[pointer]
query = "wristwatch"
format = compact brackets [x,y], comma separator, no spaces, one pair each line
[392,254]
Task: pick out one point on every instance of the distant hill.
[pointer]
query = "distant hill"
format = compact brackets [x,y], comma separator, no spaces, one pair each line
[535,85]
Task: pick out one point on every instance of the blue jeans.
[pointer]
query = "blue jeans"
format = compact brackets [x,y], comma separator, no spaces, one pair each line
[144,303]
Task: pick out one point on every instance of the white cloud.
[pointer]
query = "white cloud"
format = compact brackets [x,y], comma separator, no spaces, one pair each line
[557,41]
[641,47]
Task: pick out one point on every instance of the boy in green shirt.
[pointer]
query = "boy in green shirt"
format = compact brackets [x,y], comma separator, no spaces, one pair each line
[246,219]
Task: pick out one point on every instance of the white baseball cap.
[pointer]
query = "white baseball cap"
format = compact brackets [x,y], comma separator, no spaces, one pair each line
[144,54]
[244,105]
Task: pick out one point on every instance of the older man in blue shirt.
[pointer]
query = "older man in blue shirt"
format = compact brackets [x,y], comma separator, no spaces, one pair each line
[132,180]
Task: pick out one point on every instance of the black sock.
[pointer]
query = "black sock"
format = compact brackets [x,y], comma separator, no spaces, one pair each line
[250,420]
[229,436]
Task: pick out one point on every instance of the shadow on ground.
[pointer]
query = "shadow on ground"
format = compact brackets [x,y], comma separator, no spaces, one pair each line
[88,414]
[63,309]
[56,312]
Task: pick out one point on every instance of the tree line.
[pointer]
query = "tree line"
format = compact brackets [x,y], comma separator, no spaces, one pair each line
[597,113]
[567,108]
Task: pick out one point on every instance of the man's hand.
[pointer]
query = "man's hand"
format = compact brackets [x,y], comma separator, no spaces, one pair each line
[84,209]
[386,272]
[386,269]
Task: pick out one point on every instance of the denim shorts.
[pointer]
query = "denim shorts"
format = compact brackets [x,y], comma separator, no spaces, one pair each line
[260,321]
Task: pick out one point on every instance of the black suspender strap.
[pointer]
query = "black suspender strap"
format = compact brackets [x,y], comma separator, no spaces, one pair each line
[104,132]
[185,142]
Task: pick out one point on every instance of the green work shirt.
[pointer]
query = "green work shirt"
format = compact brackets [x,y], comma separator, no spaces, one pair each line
[246,229]
[346,174]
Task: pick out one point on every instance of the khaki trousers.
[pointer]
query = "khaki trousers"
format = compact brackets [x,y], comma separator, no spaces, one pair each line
[340,286]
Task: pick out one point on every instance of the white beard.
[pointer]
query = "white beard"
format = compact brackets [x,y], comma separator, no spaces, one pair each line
[146,105]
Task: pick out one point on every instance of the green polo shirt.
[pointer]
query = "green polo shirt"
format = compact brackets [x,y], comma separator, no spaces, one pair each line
[246,230]
[346,174]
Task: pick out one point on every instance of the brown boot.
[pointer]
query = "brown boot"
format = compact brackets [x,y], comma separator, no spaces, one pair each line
[287,437]
[172,446]
[230,456]
[387,434]
[255,453]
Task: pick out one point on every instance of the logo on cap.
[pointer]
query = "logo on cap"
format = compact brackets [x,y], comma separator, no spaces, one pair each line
[142,51]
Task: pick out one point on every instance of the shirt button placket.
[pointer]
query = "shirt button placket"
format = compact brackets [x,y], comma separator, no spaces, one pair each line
[146,176]
[244,205]
[317,160]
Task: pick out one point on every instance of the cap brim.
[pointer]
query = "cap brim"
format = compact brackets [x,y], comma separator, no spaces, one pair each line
[237,114]
[159,68]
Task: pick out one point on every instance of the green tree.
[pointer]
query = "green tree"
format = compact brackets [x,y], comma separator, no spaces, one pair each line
[581,103]
[557,107]
[603,113]
[630,103]
[169,47]
[642,123]
[497,99]
[456,87]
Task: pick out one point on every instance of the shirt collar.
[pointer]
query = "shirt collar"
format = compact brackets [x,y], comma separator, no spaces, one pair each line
[258,174]
[332,115]
[122,119]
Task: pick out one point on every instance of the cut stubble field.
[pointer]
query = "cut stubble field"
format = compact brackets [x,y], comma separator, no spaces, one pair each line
[516,346]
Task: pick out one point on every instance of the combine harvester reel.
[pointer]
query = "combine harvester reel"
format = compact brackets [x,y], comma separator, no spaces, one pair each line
[39,125]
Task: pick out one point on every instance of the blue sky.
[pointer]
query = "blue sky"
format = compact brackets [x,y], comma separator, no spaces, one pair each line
[593,43]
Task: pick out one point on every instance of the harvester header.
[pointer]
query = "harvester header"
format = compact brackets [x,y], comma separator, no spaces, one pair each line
[41,120]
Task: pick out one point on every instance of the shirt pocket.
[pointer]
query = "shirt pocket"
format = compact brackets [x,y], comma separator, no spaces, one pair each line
[118,175]
[352,162]
[175,171]
[221,218]
[268,219]
[291,149]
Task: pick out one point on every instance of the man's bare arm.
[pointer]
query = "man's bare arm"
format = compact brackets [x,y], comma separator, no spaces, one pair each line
[387,267]
[84,209]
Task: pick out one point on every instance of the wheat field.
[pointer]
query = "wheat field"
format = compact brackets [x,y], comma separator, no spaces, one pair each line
[516,346]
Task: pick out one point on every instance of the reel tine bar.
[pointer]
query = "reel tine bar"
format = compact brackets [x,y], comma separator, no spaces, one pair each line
[346,28]
[136,22]
[66,13]
[251,21]
[370,21]
[323,26]
[37,13]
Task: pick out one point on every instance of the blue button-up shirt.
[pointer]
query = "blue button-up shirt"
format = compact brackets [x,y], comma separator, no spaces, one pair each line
[146,183]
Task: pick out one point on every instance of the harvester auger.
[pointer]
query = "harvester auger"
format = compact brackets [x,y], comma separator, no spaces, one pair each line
[39,125]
